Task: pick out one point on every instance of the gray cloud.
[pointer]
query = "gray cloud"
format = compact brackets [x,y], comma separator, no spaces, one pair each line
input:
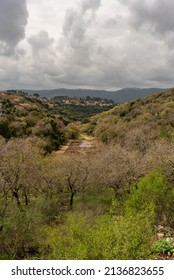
[157,15]
[9,72]
[13,19]
[90,5]
[70,60]
[40,42]
[103,44]
[78,45]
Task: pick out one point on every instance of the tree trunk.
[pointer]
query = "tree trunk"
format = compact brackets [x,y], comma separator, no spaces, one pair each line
[16,195]
[26,199]
[71,199]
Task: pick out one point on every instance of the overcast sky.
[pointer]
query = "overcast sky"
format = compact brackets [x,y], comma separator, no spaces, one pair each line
[107,44]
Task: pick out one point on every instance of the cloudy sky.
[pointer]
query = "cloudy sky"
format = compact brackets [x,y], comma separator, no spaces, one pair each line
[107,44]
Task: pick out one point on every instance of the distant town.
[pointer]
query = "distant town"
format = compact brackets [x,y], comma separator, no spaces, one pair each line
[88,101]
[17,99]
[73,108]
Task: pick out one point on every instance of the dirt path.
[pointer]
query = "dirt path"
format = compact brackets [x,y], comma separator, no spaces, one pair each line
[85,145]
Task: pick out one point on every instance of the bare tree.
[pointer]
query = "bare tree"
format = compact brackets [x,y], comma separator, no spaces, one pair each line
[18,169]
[117,168]
[139,138]
[74,172]
[161,154]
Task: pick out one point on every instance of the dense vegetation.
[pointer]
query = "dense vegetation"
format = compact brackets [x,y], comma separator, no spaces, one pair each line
[122,194]
[25,116]
[46,119]
[73,113]
[149,118]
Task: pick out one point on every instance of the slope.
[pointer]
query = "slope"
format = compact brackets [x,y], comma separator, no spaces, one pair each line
[152,116]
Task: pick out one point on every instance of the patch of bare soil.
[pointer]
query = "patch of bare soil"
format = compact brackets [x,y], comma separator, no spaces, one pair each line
[79,146]
[82,146]
[165,257]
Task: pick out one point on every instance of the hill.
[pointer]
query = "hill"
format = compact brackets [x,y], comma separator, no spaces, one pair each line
[23,115]
[31,116]
[119,96]
[151,117]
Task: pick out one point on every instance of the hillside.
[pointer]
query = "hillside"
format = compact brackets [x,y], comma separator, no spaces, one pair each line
[23,115]
[121,188]
[31,116]
[152,116]
[119,96]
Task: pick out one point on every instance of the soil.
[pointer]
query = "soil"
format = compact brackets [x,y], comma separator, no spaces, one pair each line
[165,257]
[85,145]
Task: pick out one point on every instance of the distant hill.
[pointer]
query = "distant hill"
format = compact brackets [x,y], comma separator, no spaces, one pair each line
[128,94]
[119,96]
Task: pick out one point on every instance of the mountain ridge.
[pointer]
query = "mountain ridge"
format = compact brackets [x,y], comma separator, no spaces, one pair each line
[118,96]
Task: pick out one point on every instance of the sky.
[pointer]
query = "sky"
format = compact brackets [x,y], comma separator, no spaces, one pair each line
[99,44]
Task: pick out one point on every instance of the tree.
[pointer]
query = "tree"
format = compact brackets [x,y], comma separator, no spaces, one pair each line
[138,138]
[18,170]
[52,131]
[116,168]
[161,155]
[4,128]
[74,173]
[36,94]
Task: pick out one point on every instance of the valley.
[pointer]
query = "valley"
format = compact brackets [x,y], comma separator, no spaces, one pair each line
[111,174]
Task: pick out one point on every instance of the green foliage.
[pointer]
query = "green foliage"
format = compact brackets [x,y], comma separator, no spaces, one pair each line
[72,131]
[165,133]
[22,234]
[134,235]
[50,130]
[4,128]
[27,115]
[164,247]
[155,112]
[152,190]
[52,209]
[104,237]
[95,201]
[80,113]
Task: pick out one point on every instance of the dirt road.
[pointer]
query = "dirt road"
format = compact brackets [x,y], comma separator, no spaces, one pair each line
[79,146]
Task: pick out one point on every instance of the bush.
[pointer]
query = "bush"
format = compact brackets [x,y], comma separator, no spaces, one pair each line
[164,247]
[4,128]
[154,190]
[21,235]
[102,238]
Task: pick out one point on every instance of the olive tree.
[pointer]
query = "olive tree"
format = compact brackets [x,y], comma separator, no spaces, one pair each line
[116,168]
[18,170]
[74,172]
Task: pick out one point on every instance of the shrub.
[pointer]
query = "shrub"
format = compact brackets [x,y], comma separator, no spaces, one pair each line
[102,238]
[164,247]
[152,189]
[21,235]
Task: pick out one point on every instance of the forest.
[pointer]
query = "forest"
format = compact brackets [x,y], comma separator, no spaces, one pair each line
[115,201]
